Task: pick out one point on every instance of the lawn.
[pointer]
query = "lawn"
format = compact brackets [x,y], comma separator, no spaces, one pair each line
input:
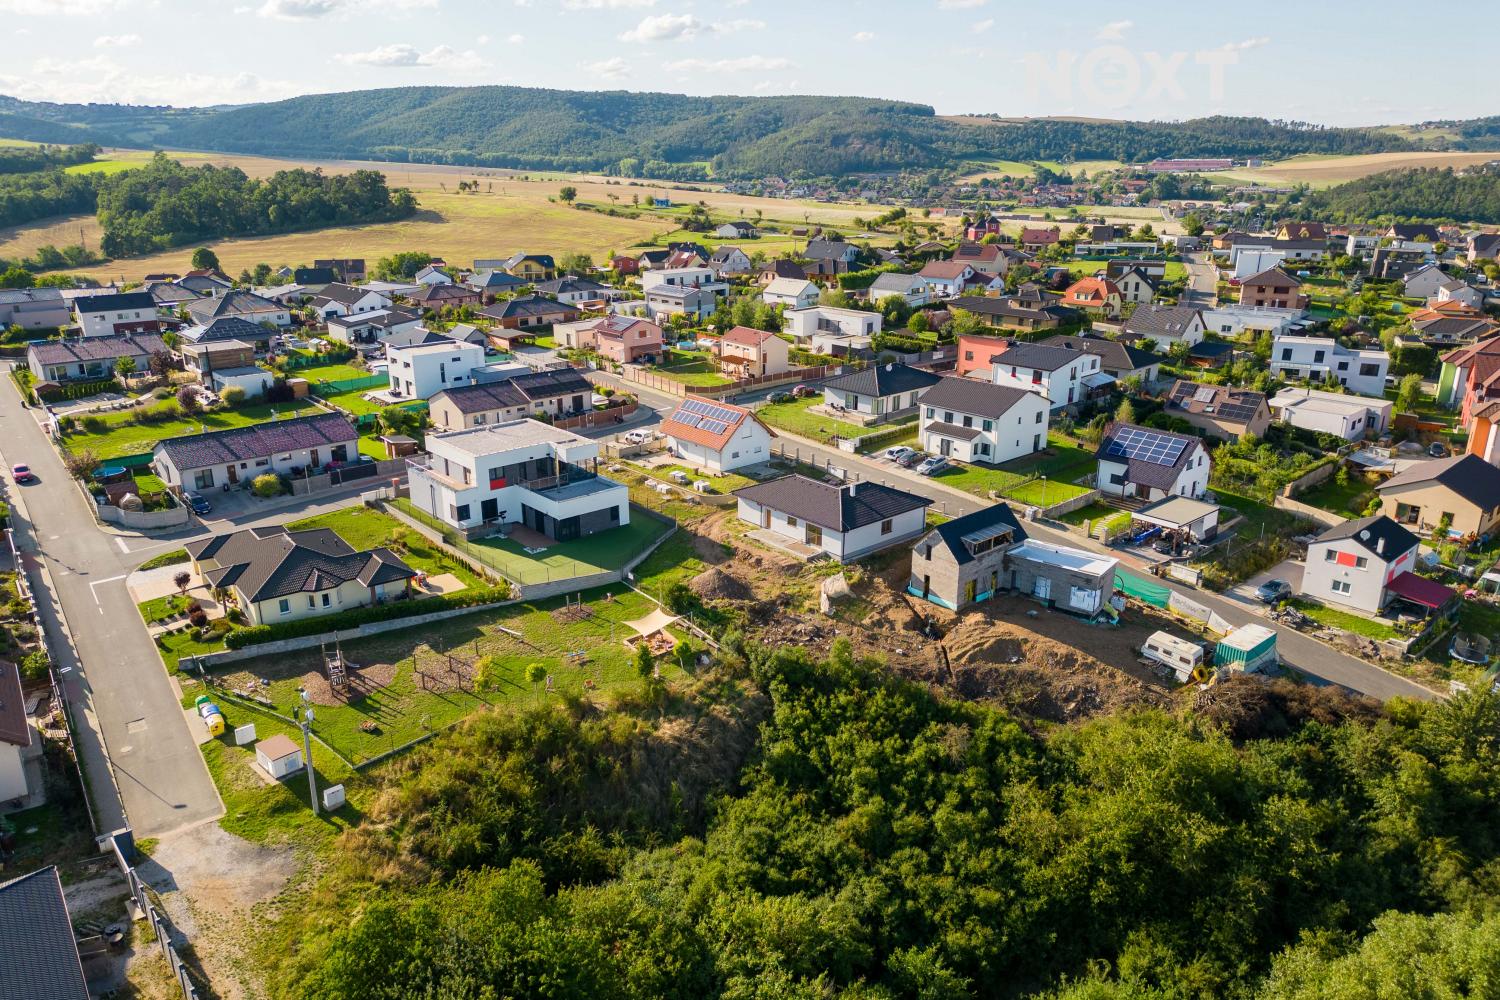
[693,368]
[676,560]
[1063,463]
[723,483]
[1346,620]
[353,400]
[367,528]
[371,447]
[795,416]
[124,438]
[384,716]
[329,373]
[604,552]
[1090,512]
[1349,500]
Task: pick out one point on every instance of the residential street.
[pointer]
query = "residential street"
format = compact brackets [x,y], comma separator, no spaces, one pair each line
[1317,660]
[1203,281]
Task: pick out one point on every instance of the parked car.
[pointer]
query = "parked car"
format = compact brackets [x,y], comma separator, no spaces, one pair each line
[1272,591]
[1437,450]
[803,391]
[22,473]
[897,452]
[907,461]
[780,396]
[198,503]
[932,464]
[638,437]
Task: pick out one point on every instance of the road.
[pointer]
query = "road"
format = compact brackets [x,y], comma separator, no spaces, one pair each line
[1320,662]
[1203,281]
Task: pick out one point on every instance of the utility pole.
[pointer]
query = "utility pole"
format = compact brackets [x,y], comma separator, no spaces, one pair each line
[312,781]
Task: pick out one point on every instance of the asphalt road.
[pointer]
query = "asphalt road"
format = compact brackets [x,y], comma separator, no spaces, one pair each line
[1203,281]
[1318,661]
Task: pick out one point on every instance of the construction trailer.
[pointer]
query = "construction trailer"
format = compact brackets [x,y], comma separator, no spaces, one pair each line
[1249,648]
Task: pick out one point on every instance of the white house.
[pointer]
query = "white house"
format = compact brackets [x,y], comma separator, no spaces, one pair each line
[1348,416]
[239,454]
[252,380]
[431,275]
[372,327]
[806,323]
[1245,261]
[278,756]
[1424,282]
[1150,464]
[1355,563]
[794,293]
[945,278]
[1165,325]
[517,472]
[975,421]
[1460,292]
[421,370]
[1136,285]
[909,286]
[844,521]
[343,300]
[116,313]
[1063,376]
[729,260]
[1230,320]
[716,437]
[1316,358]
[575,290]
[684,277]
[663,301]
[883,391]
[736,230]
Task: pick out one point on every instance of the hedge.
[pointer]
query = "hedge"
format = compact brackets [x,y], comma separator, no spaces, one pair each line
[78,390]
[853,281]
[468,598]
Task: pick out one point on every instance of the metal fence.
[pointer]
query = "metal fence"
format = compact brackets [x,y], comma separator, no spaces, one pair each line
[122,845]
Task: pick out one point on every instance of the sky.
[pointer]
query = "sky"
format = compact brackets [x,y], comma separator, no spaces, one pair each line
[1302,61]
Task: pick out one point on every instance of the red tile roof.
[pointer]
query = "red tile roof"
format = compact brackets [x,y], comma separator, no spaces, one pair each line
[745,335]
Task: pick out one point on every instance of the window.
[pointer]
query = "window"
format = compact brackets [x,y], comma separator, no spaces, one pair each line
[312,602]
[929,413]
[1342,587]
[1369,371]
[1330,556]
[734,454]
[987,425]
[325,599]
[1038,416]
[791,522]
[968,355]
[968,420]
[262,461]
[479,419]
[1286,354]
[204,479]
[947,416]
[1360,562]
[982,448]
[614,515]
[887,526]
[284,606]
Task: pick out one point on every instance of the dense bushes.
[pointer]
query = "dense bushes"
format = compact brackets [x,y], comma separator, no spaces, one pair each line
[884,843]
[467,598]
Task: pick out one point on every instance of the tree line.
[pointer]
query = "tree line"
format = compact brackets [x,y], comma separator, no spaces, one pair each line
[1428,194]
[796,828]
[32,159]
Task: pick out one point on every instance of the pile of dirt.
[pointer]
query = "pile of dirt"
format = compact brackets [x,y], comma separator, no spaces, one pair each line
[715,584]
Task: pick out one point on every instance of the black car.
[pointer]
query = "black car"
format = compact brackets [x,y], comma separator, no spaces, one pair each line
[198,502]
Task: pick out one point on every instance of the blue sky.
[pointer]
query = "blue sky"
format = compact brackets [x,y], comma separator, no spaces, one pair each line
[1311,62]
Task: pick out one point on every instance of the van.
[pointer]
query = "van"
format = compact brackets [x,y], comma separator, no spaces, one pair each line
[1181,655]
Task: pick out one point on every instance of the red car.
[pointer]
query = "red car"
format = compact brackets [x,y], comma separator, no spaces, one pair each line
[22,474]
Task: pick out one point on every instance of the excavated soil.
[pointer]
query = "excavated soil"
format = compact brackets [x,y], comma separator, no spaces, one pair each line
[715,584]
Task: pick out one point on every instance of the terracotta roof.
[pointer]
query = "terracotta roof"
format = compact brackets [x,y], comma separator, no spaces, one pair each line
[745,335]
[1274,277]
[945,269]
[1089,291]
[707,422]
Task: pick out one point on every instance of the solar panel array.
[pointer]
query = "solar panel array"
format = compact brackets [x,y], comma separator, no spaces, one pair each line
[706,416]
[1145,446]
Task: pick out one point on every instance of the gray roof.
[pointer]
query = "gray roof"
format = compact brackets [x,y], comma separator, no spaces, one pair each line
[9,296]
[985,520]
[63,352]
[226,328]
[116,301]
[883,380]
[895,283]
[828,250]
[38,953]
[1467,476]
[835,507]
[270,562]
[569,285]
[968,395]
[1113,356]
[241,444]
[233,303]
[1040,356]
[953,431]
[1370,532]
[1154,320]
[343,294]
[528,305]
[518,390]
[489,280]
[14,727]
[1013,306]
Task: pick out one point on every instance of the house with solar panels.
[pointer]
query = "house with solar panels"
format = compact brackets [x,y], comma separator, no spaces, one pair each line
[1220,411]
[1147,464]
[716,437]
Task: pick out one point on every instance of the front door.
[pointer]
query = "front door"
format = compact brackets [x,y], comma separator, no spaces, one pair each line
[945,447]
[312,457]
[234,475]
[814,535]
[489,509]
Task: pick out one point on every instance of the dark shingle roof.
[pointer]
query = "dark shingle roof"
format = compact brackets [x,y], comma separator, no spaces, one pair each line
[1112,355]
[1153,474]
[569,285]
[62,352]
[528,305]
[883,380]
[227,328]
[1468,476]
[1370,532]
[38,953]
[343,294]
[828,250]
[999,516]
[1040,356]
[967,395]
[116,301]
[240,444]
[234,303]
[837,508]
[271,562]
[518,391]
[1149,320]
[14,729]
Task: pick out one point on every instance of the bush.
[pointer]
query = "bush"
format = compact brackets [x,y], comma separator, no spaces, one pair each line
[232,396]
[267,484]
[34,665]
[467,598]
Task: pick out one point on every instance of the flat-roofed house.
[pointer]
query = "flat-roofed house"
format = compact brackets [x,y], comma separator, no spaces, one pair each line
[1349,416]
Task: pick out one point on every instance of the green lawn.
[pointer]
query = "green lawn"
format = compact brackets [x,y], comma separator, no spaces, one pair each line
[124,438]
[329,373]
[366,528]
[1064,462]
[676,560]
[353,400]
[1349,500]
[401,710]
[795,416]
[1090,512]
[695,368]
[170,558]
[725,483]
[372,447]
[603,552]
[1346,620]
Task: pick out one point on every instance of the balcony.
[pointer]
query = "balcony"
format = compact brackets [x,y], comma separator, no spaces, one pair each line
[569,474]
[423,464]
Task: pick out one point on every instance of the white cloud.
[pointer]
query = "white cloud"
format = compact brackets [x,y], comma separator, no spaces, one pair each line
[116,41]
[664,28]
[401,54]
[1114,31]
[864,36]
[516,39]
[960,4]
[1249,43]
[742,64]
[603,4]
[615,68]
[310,10]
[69,8]
[100,79]
[984,25]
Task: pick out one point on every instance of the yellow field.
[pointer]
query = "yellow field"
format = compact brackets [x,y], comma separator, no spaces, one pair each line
[1325,171]
[511,212]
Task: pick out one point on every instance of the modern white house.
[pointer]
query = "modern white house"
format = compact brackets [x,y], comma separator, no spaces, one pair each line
[1355,563]
[1346,415]
[422,370]
[684,277]
[339,299]
[1144,463]
[116,313]
[1062,375]
[794,293]
[975,421]
[1317,358]
[716,437]
[843,521]
[729,260]
[1229,320]
[663,301]
[807,324]
[878,391]
[521,472]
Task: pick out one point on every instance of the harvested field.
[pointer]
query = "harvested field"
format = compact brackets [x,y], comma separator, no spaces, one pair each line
[1323,171]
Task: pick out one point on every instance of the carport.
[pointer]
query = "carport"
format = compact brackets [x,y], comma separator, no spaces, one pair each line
[1428,595]
[1193,519]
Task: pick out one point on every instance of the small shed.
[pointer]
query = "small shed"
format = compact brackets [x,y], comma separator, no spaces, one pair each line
[399,445]
[279,756]
[1248,648]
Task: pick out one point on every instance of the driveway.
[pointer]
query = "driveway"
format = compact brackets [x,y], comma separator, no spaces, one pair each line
[1290,571]
[143,765]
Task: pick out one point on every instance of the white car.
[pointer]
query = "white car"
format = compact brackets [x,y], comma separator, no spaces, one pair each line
[638,437]
[898,452]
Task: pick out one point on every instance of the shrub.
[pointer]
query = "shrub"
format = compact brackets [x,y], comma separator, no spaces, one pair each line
[267,484]
[94,424]
[232,396]
[197,617]
[187,398]
[34,665]
[81,464]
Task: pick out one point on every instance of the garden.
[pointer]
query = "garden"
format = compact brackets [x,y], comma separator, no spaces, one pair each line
[796,416]
[1045,478]
[138,431]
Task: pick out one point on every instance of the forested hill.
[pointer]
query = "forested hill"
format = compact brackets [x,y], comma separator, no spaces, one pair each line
[664,135]
[1426,195]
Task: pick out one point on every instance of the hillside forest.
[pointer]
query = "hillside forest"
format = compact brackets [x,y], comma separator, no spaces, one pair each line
[784,827]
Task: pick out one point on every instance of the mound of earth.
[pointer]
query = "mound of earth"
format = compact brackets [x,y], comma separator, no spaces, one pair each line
[715,584]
